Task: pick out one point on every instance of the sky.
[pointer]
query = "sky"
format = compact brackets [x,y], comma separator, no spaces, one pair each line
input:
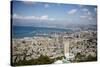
[28,13]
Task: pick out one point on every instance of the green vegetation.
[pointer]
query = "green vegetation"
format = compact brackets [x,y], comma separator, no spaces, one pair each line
[59,58]
[91,58]
[41,60]
[83,58]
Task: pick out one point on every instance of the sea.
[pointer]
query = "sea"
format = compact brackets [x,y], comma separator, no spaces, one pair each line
[29,31]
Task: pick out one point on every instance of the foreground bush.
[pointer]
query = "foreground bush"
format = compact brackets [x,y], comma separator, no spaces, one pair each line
[41,60]
[82,58]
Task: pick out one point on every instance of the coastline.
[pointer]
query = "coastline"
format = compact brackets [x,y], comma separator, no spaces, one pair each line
[54,46]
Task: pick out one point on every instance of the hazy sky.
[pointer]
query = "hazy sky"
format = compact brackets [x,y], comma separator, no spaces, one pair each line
[52,14]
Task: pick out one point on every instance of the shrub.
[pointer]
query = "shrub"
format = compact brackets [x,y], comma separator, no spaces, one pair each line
[41,60]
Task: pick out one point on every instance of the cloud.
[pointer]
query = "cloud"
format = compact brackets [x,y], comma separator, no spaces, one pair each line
[85,9]
[87,17]
[16,16]
[87,14]
[29,2]
[83,16]
[90,18]
[43,17]
[52,19]
[46,5]
[20,17]
[73,11]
